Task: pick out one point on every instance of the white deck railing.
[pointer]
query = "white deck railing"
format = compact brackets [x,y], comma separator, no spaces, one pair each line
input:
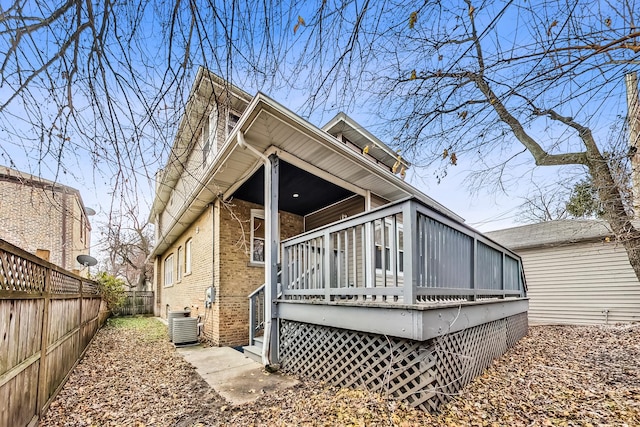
[404,252]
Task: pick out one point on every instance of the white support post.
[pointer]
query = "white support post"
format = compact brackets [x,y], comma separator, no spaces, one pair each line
[271,180]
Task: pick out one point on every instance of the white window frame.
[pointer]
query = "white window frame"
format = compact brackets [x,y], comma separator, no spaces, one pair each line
[168,271]
[187,257]
[179,265]
[206,143]
[213,132]
[378,247]
[259,214]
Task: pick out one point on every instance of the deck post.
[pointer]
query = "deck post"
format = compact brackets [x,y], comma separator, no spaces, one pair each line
[271,177]
[474,268]
[411,239]
[503,278]
[328,265]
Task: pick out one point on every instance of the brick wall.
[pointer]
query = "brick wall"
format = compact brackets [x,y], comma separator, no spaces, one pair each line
[190,290]
[224,230]
[41,218]
[238,277]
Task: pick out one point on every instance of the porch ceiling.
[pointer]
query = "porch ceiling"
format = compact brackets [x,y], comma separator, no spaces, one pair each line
[300,192]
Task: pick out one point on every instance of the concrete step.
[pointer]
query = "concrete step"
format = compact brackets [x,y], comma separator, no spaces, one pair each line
[258,340]
[253,352]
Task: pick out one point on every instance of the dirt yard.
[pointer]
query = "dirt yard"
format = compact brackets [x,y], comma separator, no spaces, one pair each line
[556,376]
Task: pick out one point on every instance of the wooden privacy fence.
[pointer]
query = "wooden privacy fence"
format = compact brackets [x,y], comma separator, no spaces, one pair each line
[136,302]
[48,316]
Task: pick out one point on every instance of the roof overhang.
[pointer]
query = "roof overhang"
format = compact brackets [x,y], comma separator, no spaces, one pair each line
[207,89]
[269,128]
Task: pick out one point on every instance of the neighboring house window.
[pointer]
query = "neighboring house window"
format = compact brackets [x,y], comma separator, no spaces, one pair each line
[179,263]
[82,230]
[387,248]
[187,257]
[257,235]
[168,270]
[232,121]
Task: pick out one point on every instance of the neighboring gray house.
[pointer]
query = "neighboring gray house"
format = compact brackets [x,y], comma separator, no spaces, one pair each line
[576,272]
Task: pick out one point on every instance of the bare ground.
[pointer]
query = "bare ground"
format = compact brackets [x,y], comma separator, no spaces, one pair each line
[557,375]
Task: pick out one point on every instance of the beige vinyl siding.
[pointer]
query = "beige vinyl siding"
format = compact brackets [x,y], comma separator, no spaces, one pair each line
[348,207]
[573,284]
[196,168]
[377,201]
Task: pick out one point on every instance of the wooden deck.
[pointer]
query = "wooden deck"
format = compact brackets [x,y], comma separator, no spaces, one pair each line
[402,300]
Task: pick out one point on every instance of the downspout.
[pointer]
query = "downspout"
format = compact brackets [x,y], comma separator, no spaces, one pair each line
[266,360]
[243,144]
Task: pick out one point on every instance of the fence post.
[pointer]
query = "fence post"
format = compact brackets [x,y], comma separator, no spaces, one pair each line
[42,396]
[80,337]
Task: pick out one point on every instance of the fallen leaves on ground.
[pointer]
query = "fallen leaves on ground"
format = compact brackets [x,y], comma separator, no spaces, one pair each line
[556,376]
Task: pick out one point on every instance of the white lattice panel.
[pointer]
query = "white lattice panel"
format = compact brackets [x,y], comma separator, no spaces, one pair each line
[422,374]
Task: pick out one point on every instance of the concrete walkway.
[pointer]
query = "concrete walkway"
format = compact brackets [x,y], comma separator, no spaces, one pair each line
[232,375]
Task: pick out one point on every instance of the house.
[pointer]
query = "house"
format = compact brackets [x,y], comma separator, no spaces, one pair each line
[44,217]
[576,272]
[306,246]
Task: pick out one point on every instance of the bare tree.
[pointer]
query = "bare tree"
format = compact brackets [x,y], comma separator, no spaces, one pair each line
[108,80]
[492,80]
[543,205]
[128,241]
[488,80]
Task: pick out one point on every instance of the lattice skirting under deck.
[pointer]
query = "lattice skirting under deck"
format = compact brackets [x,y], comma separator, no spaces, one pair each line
[422,374]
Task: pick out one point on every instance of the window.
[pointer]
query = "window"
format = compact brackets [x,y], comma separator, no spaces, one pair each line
[180,263]
[82,227]
[257,235]
[187,257]
[206,143]
[168,270]
[232,121]
[399,243]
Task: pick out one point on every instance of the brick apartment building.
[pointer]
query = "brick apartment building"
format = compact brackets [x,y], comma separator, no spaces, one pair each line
[43,217]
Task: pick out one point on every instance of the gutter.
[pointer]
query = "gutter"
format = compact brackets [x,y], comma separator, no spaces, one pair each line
[266,345]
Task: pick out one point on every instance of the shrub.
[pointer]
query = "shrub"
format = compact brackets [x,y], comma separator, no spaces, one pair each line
[111,289]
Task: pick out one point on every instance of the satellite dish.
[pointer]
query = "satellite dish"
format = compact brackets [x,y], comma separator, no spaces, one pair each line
[90,211]
[87,260]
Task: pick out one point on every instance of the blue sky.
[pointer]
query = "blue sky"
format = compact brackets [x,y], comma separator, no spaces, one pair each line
[94,173]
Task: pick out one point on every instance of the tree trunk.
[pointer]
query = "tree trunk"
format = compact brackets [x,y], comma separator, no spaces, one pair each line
[615,213]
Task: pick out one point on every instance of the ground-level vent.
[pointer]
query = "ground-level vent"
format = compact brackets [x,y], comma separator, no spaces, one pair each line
[423,374]
[185,330]
[175,315]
